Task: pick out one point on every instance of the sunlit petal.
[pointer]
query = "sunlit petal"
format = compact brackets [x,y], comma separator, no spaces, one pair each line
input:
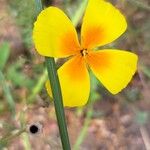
[54,34]
[114,68]
[102,24]
[74,81]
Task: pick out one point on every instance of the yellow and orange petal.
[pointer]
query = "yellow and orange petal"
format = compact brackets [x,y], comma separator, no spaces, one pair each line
[102,24]
[114,68]
[54,35]
[74,81]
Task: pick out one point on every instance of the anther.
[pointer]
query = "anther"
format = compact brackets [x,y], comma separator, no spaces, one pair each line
[84,52]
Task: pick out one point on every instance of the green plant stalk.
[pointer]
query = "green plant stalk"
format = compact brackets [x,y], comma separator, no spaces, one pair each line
[37,87]
[83,130]
[23,123]
[11,136]
[79,13]
[7,93]
[57,96]
[56,93]
[39,6]
[26,141]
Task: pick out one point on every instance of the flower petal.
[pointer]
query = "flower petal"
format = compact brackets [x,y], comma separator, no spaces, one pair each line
[114,68]
[54,34]
[74,81]
[102,24]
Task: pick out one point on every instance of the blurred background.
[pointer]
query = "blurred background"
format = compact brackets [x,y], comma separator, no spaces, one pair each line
[107,122]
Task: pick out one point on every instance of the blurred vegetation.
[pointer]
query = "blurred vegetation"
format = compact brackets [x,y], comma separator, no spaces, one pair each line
[22,92]
[24,13]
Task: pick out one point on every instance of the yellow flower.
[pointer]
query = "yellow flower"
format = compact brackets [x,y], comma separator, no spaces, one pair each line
[55,36]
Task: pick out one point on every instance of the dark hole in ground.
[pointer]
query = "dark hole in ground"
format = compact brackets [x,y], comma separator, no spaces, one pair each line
[34,129]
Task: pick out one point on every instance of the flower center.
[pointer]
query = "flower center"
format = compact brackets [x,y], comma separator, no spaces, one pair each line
[84,52]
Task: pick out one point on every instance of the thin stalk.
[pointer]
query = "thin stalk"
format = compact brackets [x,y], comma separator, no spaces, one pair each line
[37,87]
[11,136]
[83,132]
[57,96]
[79,13]
[7,93]
[23,123]
[26,141]
[56,92]
[39,6]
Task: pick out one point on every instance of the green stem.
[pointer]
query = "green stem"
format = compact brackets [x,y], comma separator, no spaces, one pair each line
[83,130]
[56,92]
[79,13]
[11,136]
[38,5]
[37,87]
[57,96]
[7,93]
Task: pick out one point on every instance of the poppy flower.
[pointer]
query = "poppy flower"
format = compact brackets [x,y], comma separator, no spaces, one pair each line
[55,36]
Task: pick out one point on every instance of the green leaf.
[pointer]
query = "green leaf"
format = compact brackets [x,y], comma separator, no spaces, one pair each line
[17,77]
[4,54]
